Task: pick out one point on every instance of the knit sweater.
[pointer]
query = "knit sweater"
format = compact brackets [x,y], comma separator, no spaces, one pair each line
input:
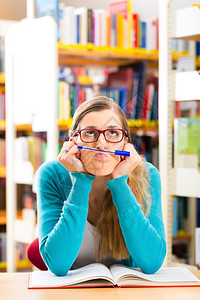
[62,215]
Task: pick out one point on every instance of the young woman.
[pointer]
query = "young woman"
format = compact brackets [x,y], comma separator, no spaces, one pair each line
[99,207]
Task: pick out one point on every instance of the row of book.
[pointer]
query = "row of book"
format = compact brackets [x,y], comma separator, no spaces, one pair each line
[20,249]
[187,109]
[2,106]
[31,148]
[117,26]
[180,215]
[133,88]
[147,145]
[2,153]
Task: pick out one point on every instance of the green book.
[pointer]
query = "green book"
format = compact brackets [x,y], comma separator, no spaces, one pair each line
[187,136]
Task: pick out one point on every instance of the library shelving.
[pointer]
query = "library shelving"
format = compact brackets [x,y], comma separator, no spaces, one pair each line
[77,55]
[178,181]
[60,56]
[71,55]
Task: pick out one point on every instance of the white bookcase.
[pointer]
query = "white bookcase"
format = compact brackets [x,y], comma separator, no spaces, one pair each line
[173,87]
[31,98]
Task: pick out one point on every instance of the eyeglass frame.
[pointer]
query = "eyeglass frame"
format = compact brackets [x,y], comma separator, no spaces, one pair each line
[124,133]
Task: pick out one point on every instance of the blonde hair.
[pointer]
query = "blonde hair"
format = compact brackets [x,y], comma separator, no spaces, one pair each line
[109,237]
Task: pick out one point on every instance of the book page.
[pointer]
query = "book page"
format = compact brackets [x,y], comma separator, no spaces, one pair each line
[171,274]
[89,272]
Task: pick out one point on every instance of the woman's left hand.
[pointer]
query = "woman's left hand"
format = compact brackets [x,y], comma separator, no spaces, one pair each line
[128,163]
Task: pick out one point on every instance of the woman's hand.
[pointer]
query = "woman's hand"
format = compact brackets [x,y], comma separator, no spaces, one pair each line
[128,164]
[71,159]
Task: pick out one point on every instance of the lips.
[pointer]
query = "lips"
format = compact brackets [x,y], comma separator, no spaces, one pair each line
[100,156]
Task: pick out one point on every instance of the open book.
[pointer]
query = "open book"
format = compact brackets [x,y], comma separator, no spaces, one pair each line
[98,275]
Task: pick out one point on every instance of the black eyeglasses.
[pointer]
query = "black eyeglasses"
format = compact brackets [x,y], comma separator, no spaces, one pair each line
[113,135]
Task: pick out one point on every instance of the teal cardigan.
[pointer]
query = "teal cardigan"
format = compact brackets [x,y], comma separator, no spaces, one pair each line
[62,215]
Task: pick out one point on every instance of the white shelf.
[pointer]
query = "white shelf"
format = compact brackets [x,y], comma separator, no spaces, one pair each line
[188,23]
[187,86]
[24,172]
[186,182]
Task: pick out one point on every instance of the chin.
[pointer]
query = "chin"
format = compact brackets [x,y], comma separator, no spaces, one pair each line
[100,170]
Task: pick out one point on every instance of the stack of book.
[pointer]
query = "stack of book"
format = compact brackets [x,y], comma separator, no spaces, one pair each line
[133,88]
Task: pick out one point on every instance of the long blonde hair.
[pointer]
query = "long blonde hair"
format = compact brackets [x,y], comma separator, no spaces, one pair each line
[109,237]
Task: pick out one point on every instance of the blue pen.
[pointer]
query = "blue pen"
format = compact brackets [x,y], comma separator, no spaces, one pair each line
[116,152]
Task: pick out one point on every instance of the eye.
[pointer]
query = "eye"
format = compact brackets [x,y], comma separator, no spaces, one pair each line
[113,132]
[90,132]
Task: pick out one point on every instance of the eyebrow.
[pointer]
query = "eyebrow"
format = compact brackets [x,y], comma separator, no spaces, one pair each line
[94,127]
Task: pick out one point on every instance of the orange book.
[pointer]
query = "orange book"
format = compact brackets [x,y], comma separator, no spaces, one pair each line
[120,31]
[124,7]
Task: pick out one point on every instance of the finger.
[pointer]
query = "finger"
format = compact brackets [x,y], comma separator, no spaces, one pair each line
[67,146]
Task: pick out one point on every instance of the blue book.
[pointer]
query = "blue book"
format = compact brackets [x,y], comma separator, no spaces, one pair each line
[143,44]
[198,212]
[118,94]
[182,202]
[134,95]
[197,49]
[154,113]
[140,68]
[48,8]
[123,98]
[175,217]
[77,29]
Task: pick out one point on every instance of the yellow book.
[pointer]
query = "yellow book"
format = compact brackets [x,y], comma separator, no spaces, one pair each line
[108,30]
[62,100]
[122,32]
[30,150]
[139,33]
[130,23]
[119,30]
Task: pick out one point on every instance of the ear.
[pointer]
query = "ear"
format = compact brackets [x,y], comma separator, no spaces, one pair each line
[126,140]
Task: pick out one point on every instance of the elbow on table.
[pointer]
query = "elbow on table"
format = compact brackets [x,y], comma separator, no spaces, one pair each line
[155,262]
[57,268]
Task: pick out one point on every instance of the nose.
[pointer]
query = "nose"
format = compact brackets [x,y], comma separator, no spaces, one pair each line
[101,142]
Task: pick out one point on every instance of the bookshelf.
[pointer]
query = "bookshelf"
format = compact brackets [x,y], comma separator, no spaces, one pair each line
[73,56]
[110,57]
[176,181]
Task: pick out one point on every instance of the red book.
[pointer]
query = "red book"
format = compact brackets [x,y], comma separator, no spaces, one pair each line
[135,30]
[145,103]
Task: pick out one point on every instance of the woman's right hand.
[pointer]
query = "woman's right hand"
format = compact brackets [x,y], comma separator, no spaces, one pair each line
[71,159]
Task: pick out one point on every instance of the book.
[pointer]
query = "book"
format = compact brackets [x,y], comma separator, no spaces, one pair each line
[98,275]
[48,8]
[187,142]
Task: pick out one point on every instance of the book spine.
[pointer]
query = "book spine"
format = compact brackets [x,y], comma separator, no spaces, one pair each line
[130,23]
[77,29]
[143,43]
[89,26]
[134,95]
[175,217]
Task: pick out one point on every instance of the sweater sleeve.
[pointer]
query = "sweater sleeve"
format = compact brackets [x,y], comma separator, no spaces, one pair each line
[144,236]
[61,222]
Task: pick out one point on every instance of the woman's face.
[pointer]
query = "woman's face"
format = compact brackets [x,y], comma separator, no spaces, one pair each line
[100,163]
